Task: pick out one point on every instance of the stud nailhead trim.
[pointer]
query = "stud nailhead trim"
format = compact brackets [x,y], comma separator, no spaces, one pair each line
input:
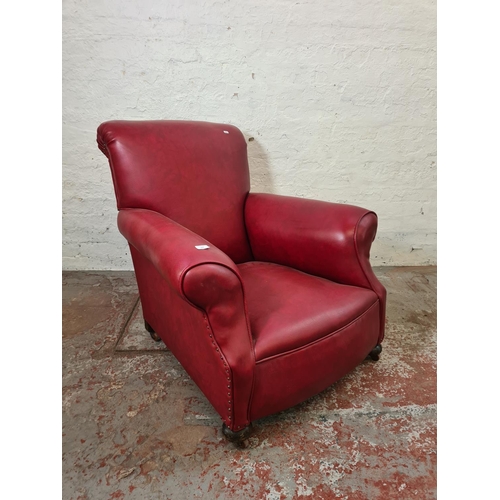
[210,335]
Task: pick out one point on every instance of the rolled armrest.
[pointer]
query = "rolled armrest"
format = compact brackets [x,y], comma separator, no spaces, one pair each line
[329,240]
[171,248]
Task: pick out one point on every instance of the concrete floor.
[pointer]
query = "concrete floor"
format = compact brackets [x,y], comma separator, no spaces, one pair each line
[136,427]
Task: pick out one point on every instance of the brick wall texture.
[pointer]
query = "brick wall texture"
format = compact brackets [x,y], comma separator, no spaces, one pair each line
[339,97]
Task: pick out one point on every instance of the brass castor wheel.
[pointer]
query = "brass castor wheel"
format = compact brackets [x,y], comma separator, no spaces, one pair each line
[236,436]
[153,334]
[375,352]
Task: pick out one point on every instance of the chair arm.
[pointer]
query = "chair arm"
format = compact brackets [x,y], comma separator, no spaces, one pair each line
[209,280]
[329,240]
[171,248]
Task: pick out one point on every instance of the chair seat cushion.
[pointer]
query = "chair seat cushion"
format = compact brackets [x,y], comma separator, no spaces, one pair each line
[289,309]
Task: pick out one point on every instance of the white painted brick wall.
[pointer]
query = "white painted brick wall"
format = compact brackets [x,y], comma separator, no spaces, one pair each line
[340,96]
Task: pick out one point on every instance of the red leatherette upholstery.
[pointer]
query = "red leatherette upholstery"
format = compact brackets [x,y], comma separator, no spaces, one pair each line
[329,240]
[289,309]
[196,173]
[286,380]
[211,282]
[281,304]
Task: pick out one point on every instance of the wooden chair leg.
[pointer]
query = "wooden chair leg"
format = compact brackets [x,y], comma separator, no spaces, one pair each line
[153,334]
[375,352]
[236,436]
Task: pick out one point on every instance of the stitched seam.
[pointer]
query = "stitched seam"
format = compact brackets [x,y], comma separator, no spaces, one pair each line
[291,351]
[258,262]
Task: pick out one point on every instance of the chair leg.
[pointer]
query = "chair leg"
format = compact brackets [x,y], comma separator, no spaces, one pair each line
[236,436]
[153,334]
[375,352]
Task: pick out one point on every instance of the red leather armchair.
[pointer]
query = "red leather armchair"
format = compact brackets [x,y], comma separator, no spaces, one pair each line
[265,300]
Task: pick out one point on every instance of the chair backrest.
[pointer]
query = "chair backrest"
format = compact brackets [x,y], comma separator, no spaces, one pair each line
[195,173]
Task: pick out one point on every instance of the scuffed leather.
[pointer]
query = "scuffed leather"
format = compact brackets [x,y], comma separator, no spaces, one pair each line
[289,309]
[192,172]
[209,280]
[329,240]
